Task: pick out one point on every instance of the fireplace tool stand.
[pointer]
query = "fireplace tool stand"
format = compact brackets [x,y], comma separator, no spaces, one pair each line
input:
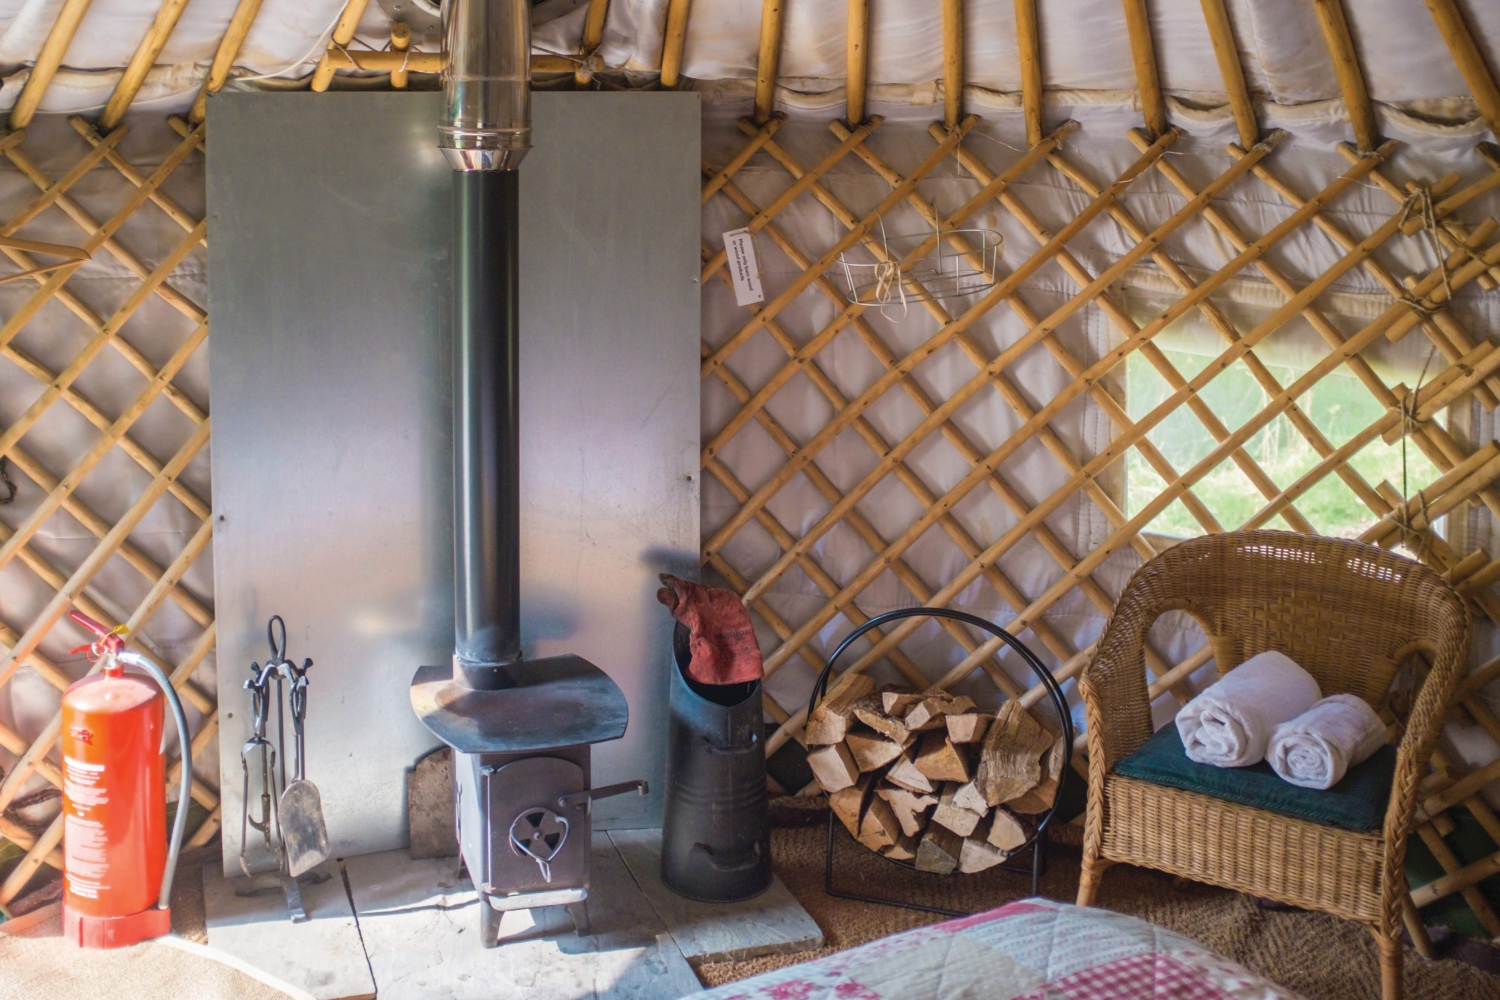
[288,821]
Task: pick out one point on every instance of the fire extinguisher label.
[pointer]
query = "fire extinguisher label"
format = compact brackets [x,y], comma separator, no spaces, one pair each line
[85,846]
[82,783]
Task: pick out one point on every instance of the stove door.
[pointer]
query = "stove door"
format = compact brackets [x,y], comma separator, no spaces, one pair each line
[535,845]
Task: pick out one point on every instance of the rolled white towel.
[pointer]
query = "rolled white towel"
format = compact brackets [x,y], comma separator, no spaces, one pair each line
[1230,723]
[1315,749]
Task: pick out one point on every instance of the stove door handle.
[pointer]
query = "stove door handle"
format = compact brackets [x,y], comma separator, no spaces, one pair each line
[588,795]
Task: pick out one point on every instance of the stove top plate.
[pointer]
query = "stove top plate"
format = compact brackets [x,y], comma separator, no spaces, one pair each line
[556,701]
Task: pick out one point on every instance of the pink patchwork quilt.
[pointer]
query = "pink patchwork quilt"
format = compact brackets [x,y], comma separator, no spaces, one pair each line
[1030,950]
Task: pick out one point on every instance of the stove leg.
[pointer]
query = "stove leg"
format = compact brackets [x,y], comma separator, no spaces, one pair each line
[579,911]
[489,924]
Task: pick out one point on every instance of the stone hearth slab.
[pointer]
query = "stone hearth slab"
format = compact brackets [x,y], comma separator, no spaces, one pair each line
[773,923]
[420,924]
[322,955]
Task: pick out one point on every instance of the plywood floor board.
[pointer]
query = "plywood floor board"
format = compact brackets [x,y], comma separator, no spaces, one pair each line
[323,955]
[420,923]
[773,923]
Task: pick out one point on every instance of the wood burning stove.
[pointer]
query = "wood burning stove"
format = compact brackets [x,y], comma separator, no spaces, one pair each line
[522,777]
[521,730]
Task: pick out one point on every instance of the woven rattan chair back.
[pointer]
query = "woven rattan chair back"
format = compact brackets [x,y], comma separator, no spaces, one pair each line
[1347,612]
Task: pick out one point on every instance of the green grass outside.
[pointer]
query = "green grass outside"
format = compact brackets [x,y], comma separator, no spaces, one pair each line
[1339,405]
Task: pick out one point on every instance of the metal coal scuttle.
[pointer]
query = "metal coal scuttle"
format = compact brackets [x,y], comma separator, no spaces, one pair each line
[521,730]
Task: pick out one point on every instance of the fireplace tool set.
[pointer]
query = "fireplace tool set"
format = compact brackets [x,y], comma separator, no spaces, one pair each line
[289,816]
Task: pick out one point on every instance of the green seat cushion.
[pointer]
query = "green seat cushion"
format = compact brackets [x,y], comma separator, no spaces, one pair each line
[1355,803]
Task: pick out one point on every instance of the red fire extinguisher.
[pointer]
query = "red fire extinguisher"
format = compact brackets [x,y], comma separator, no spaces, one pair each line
[117,868]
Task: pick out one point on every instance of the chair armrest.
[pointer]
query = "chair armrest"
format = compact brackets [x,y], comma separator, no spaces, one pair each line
[1428,712]
[1116,699]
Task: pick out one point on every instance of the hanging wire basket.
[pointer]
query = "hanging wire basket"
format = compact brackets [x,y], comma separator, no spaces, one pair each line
[944,272]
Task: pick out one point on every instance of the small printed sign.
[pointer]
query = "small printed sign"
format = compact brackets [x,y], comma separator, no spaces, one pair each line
[739,244]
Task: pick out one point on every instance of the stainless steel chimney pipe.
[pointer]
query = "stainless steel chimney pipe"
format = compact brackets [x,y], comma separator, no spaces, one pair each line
[484,133]
[487,84]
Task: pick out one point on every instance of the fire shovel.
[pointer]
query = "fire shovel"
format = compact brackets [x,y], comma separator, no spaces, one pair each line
[303,834]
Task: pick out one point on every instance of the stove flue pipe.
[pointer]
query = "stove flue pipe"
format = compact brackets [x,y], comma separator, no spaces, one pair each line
[485,131]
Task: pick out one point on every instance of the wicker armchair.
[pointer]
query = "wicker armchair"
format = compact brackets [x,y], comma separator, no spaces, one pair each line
[1350,614]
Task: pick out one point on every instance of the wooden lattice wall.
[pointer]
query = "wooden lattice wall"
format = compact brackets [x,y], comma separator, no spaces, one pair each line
[1439,212]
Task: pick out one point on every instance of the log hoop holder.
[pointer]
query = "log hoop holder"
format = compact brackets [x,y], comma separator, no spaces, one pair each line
[1037,842]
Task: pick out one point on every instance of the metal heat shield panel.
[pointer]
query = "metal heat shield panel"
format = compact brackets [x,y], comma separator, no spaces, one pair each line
[328,290]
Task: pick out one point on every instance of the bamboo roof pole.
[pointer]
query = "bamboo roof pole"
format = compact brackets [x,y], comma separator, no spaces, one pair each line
[48,59]
[1346,67]
[857,61]
[593,34]
[224,56]
[1029,43]
[953,63]
[1227,52]
[343,32]
[140,64]
[392,61]
[769,59]
[1147,79]
[674,44]
[1476,72]
[401,42]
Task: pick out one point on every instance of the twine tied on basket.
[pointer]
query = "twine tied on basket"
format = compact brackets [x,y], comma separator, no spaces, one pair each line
[888,274]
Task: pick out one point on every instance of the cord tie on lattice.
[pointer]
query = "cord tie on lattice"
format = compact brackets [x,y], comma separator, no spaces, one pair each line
[1420,306]
[1419,205]
[7,484]
[1416,540]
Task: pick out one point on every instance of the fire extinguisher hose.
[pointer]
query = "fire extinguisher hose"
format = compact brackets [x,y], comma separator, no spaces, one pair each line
[184,795]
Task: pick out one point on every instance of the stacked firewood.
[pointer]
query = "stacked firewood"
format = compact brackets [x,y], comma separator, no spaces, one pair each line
[926,778]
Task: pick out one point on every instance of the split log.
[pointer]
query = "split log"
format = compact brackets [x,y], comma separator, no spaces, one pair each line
[938,850]
[904,849]
[834,767]
[940,760]
[929,712]
[977,854]
[910,809]
[955,817]
[1040,798]
[867,710]
[1010,763]
[967,796]
[829,722]
[1006,832]
[871,751]
[967,727]
[905,774]
[878,828]
[898,703]
[848,804]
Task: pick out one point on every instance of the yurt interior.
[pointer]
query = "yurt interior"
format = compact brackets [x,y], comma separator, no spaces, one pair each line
[1071,572]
